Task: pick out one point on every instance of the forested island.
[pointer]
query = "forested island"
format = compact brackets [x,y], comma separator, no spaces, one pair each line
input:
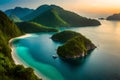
[8,69]
[115,17]
[75,45]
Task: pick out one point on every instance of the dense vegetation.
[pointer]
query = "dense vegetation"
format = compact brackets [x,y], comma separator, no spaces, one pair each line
[32,27]
[8,27]
[75,46]
[64,36]
[114,17]
[19,12]
[50,18]
[8,69]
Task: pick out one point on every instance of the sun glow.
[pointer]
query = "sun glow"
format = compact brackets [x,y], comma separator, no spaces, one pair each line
[96,7]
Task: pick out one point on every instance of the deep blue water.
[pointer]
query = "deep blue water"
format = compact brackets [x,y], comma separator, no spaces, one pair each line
[102,64]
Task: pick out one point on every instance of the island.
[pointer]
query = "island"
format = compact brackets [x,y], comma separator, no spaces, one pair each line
[75,45]
[115,17]
[101,18]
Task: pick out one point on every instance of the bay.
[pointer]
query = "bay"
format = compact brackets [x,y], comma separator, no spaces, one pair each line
[102,64]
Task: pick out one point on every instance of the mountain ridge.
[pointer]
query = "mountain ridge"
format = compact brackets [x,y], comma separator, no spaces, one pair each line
[71,18]
[18,11]
[36,12]
[64,18]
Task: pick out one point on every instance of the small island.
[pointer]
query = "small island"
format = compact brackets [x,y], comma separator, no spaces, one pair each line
[101,18]
[75,45]
[115,17]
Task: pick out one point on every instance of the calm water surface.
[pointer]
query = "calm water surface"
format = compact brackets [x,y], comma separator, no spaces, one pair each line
[102,64]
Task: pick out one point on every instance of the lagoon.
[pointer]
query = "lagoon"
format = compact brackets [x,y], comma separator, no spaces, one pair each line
[102,64]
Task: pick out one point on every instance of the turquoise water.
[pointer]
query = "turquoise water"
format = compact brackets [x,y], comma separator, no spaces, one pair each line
[102,64]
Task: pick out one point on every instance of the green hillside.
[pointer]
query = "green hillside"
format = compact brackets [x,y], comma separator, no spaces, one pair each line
[8,69]
[32,27]
[8,27]
[56,16]
[74,19]
[50,18]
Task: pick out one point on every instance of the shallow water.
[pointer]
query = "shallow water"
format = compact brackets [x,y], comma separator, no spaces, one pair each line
[102,64]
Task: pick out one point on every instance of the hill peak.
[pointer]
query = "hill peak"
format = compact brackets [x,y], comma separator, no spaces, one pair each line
[19,11]
[42,7]
[55,6]
[46,6]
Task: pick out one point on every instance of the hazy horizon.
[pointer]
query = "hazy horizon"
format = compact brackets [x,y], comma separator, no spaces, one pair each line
[93,8]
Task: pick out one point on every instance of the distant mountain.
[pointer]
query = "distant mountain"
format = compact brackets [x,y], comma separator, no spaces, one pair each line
[50,18]
[32,27]
[47,17]
[8,69]
[15,18]
[19,12]
[36,12]
[114,17]
[74,19]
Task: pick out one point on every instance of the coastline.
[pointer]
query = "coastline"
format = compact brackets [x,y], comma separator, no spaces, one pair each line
[14,57]
[17,60]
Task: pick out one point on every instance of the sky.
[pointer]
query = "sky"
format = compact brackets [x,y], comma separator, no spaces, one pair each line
[88,8]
